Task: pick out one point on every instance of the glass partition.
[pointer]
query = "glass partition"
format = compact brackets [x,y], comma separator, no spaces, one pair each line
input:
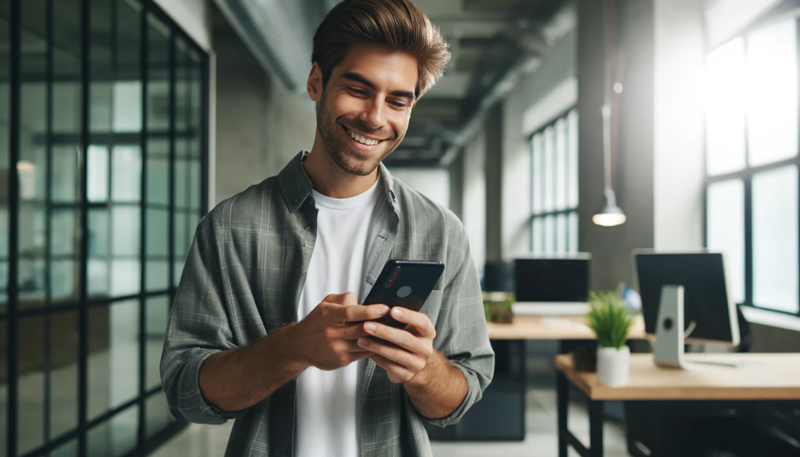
[102,120]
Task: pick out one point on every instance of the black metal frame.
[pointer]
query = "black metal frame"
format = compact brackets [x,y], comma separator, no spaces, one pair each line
[543,215]
[746,175]
[50,309]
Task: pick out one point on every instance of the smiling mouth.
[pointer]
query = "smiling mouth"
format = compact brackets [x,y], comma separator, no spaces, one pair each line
[361,138]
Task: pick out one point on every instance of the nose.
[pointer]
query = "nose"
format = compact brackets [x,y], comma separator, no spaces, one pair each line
[373,114]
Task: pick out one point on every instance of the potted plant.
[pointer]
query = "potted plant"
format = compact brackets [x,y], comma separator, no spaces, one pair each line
[611,322]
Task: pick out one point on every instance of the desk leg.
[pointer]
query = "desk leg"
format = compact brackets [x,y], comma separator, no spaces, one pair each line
[562,393]
[596,417]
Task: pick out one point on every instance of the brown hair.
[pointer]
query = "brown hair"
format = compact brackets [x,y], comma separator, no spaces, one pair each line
[398,24]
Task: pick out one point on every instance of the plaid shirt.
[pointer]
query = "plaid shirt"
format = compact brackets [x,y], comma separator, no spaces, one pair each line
[243,278]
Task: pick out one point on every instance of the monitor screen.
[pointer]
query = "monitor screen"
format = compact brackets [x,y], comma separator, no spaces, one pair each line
[702,276]
[552,279]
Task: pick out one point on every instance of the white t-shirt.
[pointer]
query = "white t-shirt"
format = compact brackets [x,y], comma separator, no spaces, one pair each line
[327,401]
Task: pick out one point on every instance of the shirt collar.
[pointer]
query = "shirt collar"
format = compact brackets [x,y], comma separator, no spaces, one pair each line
[295,187]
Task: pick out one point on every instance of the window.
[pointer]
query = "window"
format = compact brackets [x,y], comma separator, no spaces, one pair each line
[554,186]
[752,164]
[104,128]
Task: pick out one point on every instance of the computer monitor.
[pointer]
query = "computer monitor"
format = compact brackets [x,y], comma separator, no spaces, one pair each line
[709,312]
[552,284]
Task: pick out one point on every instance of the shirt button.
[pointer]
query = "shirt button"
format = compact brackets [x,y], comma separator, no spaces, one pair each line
[291,396]
[289,450]
[296,200]
[307,228]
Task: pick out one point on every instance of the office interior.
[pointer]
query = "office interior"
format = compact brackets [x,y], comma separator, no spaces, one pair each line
[125,121]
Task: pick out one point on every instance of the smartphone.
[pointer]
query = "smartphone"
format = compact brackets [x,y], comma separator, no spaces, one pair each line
[404,283]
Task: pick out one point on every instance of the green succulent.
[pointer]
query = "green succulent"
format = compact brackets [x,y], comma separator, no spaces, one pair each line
[609,320]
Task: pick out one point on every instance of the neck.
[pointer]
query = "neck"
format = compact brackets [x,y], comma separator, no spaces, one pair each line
[329,179]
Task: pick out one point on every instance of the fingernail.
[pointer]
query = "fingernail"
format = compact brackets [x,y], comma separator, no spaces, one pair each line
[369,327]
[382,309]
[397,312]
[362,342]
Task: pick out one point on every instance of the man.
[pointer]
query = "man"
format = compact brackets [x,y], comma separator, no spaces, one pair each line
[266,326]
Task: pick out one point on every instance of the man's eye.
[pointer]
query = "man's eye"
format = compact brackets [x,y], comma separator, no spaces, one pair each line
[358,91]
[399,104]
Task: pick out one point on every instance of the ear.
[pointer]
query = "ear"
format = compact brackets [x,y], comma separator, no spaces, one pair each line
[314,83]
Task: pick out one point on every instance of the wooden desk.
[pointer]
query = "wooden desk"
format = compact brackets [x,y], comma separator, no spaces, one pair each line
[553,328]
[764,377]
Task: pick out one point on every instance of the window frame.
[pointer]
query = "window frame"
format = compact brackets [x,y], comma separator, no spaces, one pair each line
[748,172]
[569,210]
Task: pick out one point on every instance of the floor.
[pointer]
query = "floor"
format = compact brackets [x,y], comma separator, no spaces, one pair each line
[540,441]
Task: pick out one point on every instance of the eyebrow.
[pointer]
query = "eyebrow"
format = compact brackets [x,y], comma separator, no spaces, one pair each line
[359,78]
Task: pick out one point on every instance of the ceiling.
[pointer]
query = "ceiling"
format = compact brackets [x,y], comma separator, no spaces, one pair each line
[491,42]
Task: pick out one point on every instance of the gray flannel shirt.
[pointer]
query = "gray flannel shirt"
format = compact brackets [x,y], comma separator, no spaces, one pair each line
[243,277]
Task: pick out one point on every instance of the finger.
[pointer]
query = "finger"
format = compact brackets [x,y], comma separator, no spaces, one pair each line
[346,331]
[397,336]
[396,372]
[419,321]
[338,314]
[407,360]
[347,298]
[352,346]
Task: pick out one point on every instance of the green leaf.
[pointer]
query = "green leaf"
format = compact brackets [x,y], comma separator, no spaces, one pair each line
[608,319]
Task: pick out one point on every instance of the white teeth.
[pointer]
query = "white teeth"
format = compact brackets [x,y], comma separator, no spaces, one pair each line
[363,140]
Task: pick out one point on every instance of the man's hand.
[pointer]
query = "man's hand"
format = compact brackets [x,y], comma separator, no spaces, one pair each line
[414,345]
[326,338]
[433,384]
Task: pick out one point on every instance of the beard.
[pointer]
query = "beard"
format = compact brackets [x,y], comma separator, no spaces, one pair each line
[336,141]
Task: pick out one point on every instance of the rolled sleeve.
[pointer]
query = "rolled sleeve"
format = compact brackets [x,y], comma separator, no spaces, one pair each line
[197,328]
[462,335]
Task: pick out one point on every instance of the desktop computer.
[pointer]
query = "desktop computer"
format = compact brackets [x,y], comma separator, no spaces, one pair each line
[685,298]
[552,284]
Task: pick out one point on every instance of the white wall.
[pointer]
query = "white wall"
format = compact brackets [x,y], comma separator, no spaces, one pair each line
[433,183]
[193,16]
[525,110]
[474,197]
[678,137]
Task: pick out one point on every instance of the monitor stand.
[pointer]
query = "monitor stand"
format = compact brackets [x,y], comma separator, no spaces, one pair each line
[670,334]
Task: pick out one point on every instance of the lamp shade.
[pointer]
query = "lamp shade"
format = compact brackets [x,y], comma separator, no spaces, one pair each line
[611,214]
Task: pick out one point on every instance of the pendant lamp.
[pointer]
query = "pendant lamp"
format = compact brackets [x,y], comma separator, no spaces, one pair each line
[611,214]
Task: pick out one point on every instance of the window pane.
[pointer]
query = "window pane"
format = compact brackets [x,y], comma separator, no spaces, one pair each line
[3,378]
[775,270]
[549,169]
[126,222]
[64,281]
[155,332]
[5,133]
[127,99]
[67,450]
[66,175]
[157,175]
[125,277]
[126,175]
[572,178]
[98,174]
[157,275]
[725,231]
[113,355]
[63,232]
[772,93]
[538,174]
[725,108]
[573,231]
[561,233]
[116,437]
[561,165]
[537,235]
[63,373]
[549,234]
[158,416]
[31,395]
[157,233]
[31,262]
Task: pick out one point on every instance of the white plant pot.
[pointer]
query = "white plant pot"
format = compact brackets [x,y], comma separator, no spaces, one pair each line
[613,365]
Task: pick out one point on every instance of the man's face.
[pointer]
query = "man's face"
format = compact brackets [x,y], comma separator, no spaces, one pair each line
[363,111]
